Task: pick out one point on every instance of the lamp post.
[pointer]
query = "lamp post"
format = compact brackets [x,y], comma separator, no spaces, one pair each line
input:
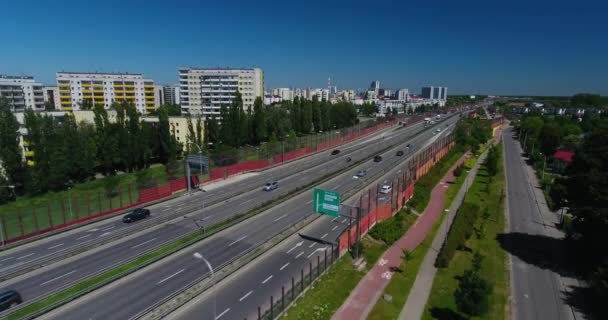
[199,256]
[12,187]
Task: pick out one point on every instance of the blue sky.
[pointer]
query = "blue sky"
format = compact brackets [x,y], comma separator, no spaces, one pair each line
[492,47]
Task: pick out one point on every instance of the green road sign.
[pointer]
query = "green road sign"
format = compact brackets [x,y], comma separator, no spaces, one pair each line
[326,202]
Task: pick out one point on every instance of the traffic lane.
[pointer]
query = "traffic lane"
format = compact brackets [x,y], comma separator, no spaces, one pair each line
[60,244]
[256,229]
[536,293]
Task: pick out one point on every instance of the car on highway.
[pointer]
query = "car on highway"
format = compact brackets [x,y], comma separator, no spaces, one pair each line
[386,189]
[335,152]
[408,146]
[135,215]
[377,158]
[361,173]
[9,299]
[438,130]
[399,153]
[271,186]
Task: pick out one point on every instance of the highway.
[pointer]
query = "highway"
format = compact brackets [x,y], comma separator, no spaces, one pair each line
[50,279]
[82,239]
[134,294]
[535,288]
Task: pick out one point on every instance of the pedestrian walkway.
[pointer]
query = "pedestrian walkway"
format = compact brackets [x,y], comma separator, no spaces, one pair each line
[419,294]
[363,298]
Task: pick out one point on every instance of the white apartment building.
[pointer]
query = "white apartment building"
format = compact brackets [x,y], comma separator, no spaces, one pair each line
[205,90]
[402,94]
[284,93]
[105,89]
[51,95]
[22,92]
[159,96]
[172,94]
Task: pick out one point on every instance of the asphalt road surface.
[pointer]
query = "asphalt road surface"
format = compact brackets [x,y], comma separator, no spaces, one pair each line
[132,295]
[536,293]
[60,275]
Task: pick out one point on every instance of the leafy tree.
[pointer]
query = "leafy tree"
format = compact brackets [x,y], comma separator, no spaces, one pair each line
[212,131]
[472,294]
[550,138]
[10,151]
[106,141]
[259,121]
[167,145]
[317,123]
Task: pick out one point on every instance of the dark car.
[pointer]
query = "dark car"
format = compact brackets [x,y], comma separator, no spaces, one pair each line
[271,186]
[335,152]
[9,299]
[135,215]
[361,173]
[377,158]
[399,153]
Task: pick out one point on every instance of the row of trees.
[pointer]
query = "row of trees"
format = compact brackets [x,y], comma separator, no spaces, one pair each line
[64,152]
[240,126]
[471,132]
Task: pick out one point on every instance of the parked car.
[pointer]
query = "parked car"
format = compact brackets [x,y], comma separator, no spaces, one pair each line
[135,215]
[335,152]
[271,186]
[377,158]
[9,299]
[361,173]
[386,189]
[399,153]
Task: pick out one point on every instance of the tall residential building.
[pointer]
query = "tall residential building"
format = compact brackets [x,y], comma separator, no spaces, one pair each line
[77,88]
[172,94]
[284,93]
[435,93]
[22,92]
[159,96]
[402,94]
[205,90]
[375,86]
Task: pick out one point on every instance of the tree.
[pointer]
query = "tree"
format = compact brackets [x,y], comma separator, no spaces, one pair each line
[472,294]
[10,151]
[167,145]
[259,121]
[492,161]
[317,122]
[212,131]
[550,138]
[106,141]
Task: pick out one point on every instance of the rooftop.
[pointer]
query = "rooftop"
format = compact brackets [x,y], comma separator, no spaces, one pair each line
[565,156]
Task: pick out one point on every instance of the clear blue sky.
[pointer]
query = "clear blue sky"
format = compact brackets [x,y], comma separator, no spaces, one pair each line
[511,47]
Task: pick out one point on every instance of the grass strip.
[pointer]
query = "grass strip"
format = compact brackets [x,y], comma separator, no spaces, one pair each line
[488,195]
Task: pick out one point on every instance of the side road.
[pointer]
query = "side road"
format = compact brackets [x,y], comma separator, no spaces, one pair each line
[419,294]
[363,298]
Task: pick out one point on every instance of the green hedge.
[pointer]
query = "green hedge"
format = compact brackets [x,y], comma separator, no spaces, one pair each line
[460,231]
[391,229]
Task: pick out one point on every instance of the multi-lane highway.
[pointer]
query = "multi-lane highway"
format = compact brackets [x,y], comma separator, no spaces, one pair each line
[57,276]
[136,293]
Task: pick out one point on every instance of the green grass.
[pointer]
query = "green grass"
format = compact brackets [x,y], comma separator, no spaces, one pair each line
[327,294]
[89,198]
[494,262]
[401,283]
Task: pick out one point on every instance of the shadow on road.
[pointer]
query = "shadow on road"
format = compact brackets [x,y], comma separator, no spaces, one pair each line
[445,314]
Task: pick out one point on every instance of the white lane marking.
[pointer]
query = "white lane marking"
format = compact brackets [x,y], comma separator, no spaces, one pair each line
[223,313]
[344,221]
[92,230]
[55,246]
[284,266]
[323,236]
[6,259]
[171,276]
[25,256]
[279,218]
[299,254]
[108,228]
[86,235]
[237,240]
[334,219]
[296,246]
[267,279]
[245,296]
[57,278]
[312,245]
[334,228]
[141,244]
[311,254]
[104,234]
[309,202]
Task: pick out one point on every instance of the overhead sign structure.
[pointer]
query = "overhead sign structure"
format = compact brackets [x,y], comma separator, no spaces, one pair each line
[326,202]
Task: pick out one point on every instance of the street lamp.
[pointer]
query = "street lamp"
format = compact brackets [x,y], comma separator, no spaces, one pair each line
[199,256]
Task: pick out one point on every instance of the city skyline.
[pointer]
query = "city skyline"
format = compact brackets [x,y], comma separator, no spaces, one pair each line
[472,48]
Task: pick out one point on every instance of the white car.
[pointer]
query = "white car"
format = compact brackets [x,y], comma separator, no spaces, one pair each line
[386,189]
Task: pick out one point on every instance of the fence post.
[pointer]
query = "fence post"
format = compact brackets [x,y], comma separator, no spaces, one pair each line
[20,221]
[63,210]
[333,255]
[310,272]
[301,279]
[293,282]
[282,298]
[99,201]
[325,260]
[5,237]
[88,205]
[131,198]
[259,313]
[48,212]
[318,266]
[271,307]
[35,219]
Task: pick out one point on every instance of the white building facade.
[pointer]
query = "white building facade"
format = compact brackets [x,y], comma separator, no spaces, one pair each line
[22,92]
[205,90]
[172,95]
[77,88]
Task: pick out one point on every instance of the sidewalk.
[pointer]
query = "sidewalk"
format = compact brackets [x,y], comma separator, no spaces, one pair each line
[370,288]
[419,294]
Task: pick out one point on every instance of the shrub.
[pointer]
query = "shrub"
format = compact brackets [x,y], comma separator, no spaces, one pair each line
[472,294]
[460,231]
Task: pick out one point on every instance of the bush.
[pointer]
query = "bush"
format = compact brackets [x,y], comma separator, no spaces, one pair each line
[472,294]
[460,231]
[390,230]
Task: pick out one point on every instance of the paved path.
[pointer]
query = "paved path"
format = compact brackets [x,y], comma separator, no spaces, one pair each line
[419,294]
[363,298]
